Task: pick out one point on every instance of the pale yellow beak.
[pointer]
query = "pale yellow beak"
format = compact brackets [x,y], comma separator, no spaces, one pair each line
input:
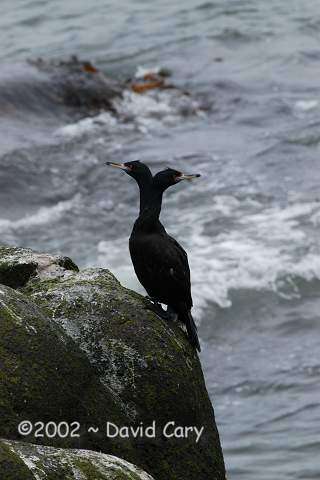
[122,166]
[183,176]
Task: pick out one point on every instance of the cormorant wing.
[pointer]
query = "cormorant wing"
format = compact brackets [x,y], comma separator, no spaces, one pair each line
[183,252]
[181,270]
[162,267]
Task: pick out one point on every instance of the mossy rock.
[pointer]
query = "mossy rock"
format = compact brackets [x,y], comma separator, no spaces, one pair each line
[145,364]
[24,461]
[12,467]
[18,265]
[44,377]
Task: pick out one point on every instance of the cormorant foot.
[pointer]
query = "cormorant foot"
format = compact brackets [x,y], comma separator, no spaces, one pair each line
[156,307]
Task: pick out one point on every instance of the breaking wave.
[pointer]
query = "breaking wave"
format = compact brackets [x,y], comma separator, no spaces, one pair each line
[259,249]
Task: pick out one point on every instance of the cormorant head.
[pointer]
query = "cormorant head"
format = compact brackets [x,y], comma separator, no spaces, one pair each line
[169,176]
[136,169]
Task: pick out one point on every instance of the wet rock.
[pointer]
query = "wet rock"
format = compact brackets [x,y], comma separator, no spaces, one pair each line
[23,461]
[72,90]
[79,84]
[141,368]
[55,87]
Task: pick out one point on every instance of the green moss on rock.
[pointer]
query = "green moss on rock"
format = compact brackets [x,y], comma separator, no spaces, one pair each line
[79,346]
[24,461]
[145,361]
[12,466]
[44,377]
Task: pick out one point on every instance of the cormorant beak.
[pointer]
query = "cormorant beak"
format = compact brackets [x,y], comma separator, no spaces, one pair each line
[122,166]
[183,176]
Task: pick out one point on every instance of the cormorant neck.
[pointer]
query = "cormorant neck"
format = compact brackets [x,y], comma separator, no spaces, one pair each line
[145,187]
[150,208]
[145,195]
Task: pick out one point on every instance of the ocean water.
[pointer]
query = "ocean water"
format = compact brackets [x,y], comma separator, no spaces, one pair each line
[251,224]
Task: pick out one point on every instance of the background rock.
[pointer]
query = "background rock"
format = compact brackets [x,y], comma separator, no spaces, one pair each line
[42,85]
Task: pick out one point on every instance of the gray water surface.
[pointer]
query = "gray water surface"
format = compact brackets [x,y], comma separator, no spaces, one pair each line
[251,224]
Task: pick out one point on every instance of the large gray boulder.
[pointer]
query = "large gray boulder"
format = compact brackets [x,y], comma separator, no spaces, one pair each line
[115,360]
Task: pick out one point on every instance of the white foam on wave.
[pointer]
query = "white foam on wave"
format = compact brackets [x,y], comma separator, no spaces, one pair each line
[145,113]
[306,105]
[142,71]
[103,120]
[263,250]
[43,216]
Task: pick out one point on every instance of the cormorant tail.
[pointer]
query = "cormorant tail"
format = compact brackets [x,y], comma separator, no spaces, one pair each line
[186,318]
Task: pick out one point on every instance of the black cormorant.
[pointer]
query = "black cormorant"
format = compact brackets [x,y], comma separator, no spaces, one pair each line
[161,264]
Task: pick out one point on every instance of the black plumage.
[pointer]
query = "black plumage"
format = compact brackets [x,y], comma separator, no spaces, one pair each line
[161,264]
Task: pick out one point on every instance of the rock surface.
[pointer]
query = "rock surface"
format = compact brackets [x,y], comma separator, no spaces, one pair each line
[77,346]
[19,265]
[73,85]
[24,461]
